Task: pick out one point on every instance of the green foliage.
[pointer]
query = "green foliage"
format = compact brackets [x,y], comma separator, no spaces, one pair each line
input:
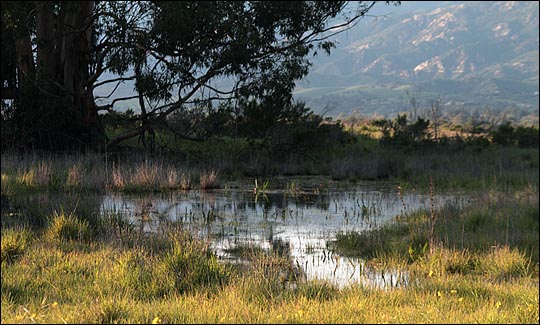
[522,136]
[527,137]
[504,134]
[401,132]
[119,120]
[263,47]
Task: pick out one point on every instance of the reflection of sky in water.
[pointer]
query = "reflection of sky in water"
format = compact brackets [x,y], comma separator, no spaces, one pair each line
[305,222]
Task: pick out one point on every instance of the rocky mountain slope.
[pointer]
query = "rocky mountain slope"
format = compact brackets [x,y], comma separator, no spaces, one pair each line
[470,54]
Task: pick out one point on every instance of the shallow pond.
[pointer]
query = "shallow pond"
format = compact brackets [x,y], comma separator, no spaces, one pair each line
[298,219]
[296,216]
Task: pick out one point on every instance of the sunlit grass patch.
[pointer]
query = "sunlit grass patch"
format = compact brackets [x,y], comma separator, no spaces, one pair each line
[67,227]
[190,264]
[14,243]
[138,274]
[504,263]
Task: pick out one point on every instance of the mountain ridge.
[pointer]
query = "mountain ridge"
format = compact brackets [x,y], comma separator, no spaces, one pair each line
[488,50]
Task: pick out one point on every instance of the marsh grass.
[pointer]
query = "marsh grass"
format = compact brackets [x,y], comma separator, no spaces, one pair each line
[455,166]
[245,251]
[15,241]
[74,176]
[65,226]
[208,179]
[192,264]
[495,239]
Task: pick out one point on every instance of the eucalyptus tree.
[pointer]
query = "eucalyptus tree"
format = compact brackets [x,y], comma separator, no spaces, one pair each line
[176,53]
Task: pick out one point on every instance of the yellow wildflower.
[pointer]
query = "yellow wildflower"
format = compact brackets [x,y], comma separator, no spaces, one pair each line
[430,273]
[498,305]
[453,291]
[460,299]
[156,320]
[439,294]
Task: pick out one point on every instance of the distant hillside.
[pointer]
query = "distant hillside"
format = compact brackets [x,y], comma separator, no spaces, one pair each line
[471,54]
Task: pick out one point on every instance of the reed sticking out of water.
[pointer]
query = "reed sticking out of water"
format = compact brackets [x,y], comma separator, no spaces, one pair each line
[433,216]
[400,195]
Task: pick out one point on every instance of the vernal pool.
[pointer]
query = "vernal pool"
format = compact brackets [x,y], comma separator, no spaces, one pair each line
[298,220]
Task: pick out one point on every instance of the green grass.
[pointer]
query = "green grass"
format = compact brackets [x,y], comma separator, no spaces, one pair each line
[14,243]
[68,227]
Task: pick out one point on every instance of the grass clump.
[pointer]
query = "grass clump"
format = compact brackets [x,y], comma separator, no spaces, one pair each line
[14,243]
[112,311]
[358,244]
[504,263]
[68,227]
[208,179]
[191,264]
[269,276]
[137,274]
[317,290]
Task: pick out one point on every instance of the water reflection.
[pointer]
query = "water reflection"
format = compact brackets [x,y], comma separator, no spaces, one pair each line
[302,221]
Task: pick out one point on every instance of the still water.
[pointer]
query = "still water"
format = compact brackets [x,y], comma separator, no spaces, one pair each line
[300,220]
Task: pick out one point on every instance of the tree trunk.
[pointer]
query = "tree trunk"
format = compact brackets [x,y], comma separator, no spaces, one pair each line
[25,60]
[46,65]
[75,53]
